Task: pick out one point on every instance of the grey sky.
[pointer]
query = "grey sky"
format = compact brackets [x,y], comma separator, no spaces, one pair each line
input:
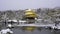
[24,4]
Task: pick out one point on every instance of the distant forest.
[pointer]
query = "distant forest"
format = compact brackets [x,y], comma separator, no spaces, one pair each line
[44,13]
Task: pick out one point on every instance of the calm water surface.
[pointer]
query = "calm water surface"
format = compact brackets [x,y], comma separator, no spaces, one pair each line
[43,31]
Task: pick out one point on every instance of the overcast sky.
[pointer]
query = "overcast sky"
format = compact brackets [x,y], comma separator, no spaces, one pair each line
[24,4]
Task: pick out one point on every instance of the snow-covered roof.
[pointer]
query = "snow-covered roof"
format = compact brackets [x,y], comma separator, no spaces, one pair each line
[12,20]
[22,21]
